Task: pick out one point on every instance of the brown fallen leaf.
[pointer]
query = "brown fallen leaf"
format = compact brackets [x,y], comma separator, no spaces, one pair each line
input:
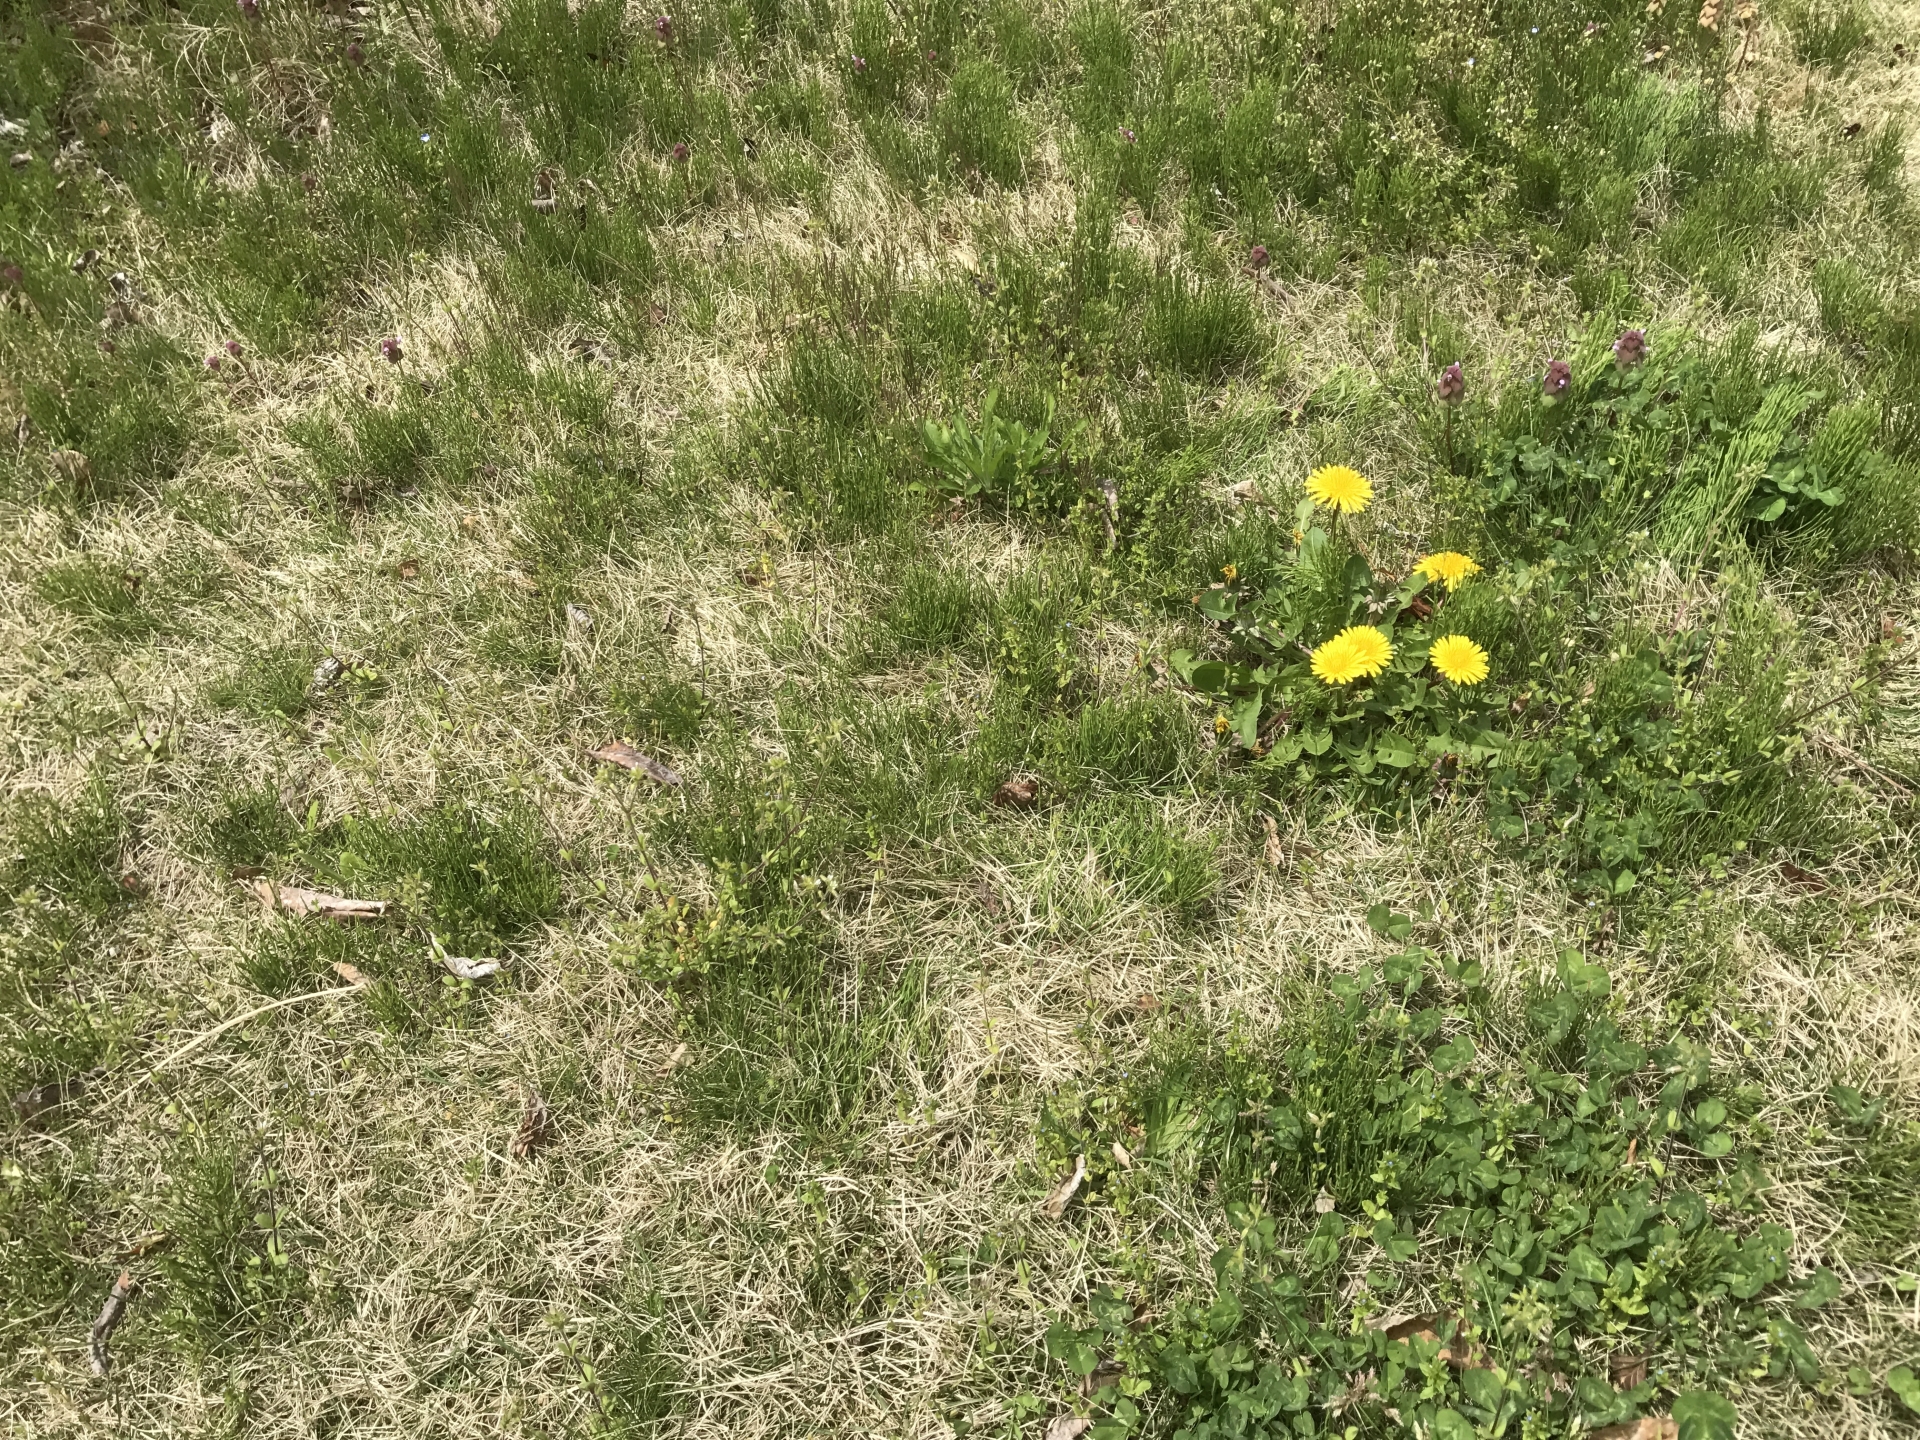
[1067,1427]
[297,901]
[1105,1373]
[408,569]
[103,1326]
[1146,1002]
[627,758]
[1626,1370]
[349,972]
[1122,1156]
[73,467]
[1055,1205]
[674,1060]
[37,1100]
[1804,879]
[1019,793]
[463,967]
[1648,1427]
[1324,1202]
[536,1126]
[988,897]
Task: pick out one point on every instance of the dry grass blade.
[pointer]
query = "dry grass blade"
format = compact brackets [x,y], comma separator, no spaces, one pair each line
[1055,1205]
[1068,1427]
[627,758]
[103,1326]
[1274,853]
[297,901]
[536,1128]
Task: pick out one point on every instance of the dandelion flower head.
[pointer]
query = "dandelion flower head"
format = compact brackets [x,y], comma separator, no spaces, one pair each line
[1459,659]
[1358,652]
[1449,567]
[1341,488]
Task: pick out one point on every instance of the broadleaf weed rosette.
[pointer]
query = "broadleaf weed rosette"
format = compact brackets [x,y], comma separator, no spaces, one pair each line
[1449,567]
[1459,660]
[1357,653]
[1340,488]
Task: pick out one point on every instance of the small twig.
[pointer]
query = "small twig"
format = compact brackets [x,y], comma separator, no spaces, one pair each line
[103,1326]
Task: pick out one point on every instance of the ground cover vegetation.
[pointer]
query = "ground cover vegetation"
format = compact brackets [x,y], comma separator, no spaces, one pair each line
[959,718]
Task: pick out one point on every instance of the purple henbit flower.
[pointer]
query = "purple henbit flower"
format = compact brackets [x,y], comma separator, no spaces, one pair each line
[1558,379]
[233,348]
[859,66]
[249,8]
[663,27]
[1126,135]
[1452,388]
[213,362]
[356,54]
[932,59]
[680,152]
[12,274]
[390,350]
[1257,258]
[1630,349]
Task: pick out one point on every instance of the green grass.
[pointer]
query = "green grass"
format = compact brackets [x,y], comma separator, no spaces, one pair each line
[882,417]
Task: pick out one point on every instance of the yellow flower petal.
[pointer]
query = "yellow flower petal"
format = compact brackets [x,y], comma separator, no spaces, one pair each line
[1358,652]
[1449,567]
[1340,488]
[1459,659]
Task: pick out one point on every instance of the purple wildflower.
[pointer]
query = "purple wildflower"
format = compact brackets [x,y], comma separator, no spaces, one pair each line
[1630,349]
[1127,135]
[680,152]
[859,66]
[1452,388]
[1257,258]
[355,54]
[1558,379]
[12,274]
[390,350]
[233,348]
[309,183]
[213,362]
[663,28]
[249,8]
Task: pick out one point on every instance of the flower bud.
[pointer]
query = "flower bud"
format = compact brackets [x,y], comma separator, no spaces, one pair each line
[1630,349]
[390,350]
[213,362]
[680,152]
[233,348]
[1257,257]
[1452,388]
[1558,379]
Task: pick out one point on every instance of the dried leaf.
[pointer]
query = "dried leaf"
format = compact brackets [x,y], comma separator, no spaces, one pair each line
[1627,1371]
[1105,1373]
[627,758]
[1122,1156]
[148,1243]
[522,581]
[1055,1205]
[536,1125]
[579,619]
[1468,1355]
[296,901]
[37,1100]
[988,897]
[1275,854]
[103,1327]
[1648,1427]
[1067,1427]
[327,671]
[408,569]
[674,1060]
[349,972]
[1019,793]
[1146,1002]
[73,467]
[1323,1202]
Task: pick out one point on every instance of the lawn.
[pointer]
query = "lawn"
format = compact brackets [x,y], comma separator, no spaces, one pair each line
[960,719]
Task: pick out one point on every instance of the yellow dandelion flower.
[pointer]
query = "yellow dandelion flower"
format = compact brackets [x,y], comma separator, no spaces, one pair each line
[1459,659]
[1340,488]
[1220,725]
[1358,652]
[1449,567]
[1232,572]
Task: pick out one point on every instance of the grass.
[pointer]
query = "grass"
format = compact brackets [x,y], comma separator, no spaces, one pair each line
[895,421]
